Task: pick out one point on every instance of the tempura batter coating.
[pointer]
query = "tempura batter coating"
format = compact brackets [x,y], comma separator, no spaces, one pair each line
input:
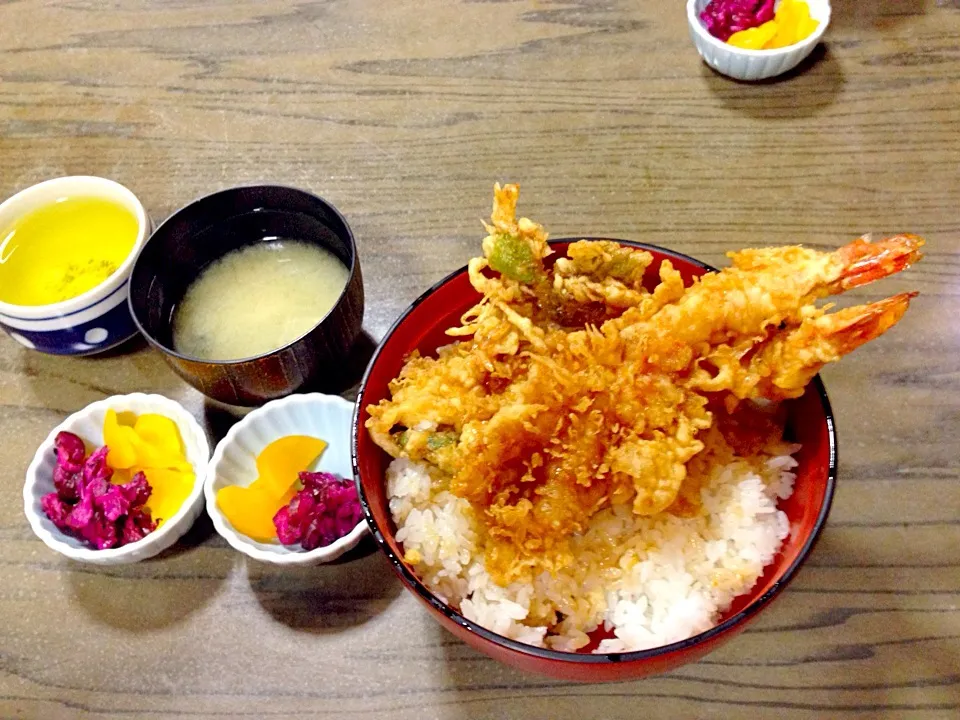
[574,387]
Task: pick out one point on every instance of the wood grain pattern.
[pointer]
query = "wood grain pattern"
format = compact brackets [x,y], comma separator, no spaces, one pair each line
[403,114]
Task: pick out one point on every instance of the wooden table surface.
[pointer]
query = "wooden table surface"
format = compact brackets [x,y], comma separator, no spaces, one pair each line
[403,114]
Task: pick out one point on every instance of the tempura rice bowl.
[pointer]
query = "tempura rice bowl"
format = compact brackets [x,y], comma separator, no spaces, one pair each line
[801,517]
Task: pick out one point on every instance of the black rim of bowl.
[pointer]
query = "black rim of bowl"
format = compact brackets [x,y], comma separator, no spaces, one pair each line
[352,242]
[415,584]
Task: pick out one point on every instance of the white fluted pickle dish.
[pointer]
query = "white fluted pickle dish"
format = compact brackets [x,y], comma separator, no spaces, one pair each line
[234,463]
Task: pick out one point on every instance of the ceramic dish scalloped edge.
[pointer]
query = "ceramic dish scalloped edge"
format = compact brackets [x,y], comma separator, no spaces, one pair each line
[234,462]
[88,424]
[752,65]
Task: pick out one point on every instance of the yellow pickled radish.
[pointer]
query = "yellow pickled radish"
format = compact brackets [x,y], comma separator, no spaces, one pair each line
[121,476]
[158,443]
[280,463]
[246,509]
[791,24]
[792,20]
[807,28]
[787,10]
[169,490]
[150,444]
[160,432]
[121,441]
[151,456]
[754,38]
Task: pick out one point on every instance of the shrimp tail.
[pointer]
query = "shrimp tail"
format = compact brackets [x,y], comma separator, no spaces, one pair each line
[846,330]
[801,353]
[864,261]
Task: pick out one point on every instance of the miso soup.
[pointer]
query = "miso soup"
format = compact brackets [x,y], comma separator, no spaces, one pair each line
[257,299]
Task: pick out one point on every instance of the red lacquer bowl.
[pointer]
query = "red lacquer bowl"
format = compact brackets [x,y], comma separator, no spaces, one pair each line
[422,328]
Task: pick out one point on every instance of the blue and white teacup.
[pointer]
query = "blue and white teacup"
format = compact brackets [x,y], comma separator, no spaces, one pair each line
[93,321]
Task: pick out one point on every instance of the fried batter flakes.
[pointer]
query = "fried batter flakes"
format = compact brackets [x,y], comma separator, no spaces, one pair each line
[574,387]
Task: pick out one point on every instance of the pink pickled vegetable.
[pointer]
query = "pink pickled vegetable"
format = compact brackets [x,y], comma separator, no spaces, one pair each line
[95,467]
[137,525]
[326,509]
[137,491]
[723,18]
[67,483]
[71,451]
[87,505]
[55,509]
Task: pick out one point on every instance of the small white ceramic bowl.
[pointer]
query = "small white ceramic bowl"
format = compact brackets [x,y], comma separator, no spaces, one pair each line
[91,322]
[234,463]
[88,425]
[753,64]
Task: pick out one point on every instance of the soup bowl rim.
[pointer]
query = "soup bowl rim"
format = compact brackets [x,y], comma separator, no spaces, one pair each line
[352,269]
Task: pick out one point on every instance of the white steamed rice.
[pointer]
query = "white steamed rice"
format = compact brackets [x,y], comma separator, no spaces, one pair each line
[675,576]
